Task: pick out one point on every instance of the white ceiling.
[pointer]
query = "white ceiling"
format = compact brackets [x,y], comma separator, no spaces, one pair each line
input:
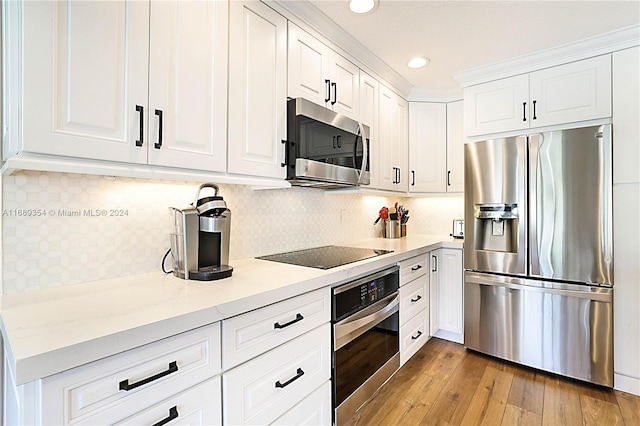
[462,35]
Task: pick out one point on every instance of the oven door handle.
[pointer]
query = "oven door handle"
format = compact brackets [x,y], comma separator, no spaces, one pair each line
[363,321]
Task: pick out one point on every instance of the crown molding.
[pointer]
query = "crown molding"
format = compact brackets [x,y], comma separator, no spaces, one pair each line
[312,20]
[593,46]
[418,94]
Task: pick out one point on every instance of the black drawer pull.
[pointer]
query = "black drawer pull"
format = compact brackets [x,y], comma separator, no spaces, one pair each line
[299,317]
[335,93]
[416,299]
[299,373]
[524,111]
[125,386]
[158,144]
[415,268]
[173,414]
[140,109]
[417,335]
[534,110]
[328,87]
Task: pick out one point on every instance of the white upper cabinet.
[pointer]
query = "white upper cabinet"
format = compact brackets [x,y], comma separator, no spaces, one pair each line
[436,157]
[455,146]
[320,75]
[626,111]
[369,89]
[84,75]
[188,84]
[126,81]
[257,90]
[427,147]
[573,92]
[393,135]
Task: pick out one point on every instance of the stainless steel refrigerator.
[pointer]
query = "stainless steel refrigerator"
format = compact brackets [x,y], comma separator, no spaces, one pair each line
[538,251]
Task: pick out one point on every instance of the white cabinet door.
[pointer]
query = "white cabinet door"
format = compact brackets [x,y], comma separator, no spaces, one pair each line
[576,91]
[427,147]
[188,84]
[345,86]
[308,67]
[257,90]
[314,410]
[455,147]
[85,71]
[200,405]
[497,106]
[413,298]
[626,110]
[446,294]
[413,335]
[450,294]
[393,134]
[369,89]
[434,293]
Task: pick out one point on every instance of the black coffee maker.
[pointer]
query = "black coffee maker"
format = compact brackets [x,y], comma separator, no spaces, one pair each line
[200,238]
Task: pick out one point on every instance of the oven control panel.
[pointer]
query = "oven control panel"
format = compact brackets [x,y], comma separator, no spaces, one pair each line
[352,297]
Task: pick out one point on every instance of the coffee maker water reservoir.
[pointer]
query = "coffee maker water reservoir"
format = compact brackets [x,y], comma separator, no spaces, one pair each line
[200,238]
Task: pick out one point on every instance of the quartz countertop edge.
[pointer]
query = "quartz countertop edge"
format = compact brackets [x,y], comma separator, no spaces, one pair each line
[55,329]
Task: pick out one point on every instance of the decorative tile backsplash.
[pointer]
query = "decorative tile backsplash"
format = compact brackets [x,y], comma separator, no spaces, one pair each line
[61,229]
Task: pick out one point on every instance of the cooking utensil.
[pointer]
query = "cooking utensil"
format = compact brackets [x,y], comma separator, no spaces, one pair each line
[383,214]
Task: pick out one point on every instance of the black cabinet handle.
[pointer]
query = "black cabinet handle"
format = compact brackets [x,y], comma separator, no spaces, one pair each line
[286,153]
[125,386]
[435,264]
[158,144]
[524,111]
[534,110]
[335,93]
[413,178]
[416,268]
[299,373]
[417,335]
[416,299]
[327,86]
[173,414]
[398,175]
[140,109]
[299,317]
[339,141]
[448,177]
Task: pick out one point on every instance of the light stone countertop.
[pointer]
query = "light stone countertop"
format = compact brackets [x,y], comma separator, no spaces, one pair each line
[51,330]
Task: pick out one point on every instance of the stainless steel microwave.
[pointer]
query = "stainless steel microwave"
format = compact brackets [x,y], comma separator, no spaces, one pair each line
[323,148]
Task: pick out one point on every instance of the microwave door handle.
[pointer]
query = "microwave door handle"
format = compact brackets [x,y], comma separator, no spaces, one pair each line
[365,151]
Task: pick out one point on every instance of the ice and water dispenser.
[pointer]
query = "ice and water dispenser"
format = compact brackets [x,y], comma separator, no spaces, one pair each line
[496,227]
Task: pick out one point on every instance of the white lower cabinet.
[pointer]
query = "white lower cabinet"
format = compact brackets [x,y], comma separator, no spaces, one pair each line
[125,385]
[200,405]
[414,306]
[313,410]
[446,292]
[263,389]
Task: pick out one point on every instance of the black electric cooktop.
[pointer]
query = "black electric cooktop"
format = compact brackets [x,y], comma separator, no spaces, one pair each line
[325,257]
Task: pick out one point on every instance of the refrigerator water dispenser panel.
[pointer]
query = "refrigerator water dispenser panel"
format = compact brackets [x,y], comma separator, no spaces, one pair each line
[496,227]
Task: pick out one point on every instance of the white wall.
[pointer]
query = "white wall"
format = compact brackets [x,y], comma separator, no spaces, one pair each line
[54,249]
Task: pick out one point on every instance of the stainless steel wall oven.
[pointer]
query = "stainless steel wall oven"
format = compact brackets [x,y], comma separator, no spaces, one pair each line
[365,339]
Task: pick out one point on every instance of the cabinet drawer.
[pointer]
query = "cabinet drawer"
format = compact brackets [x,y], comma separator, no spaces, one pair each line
[414,298]
[200,405]
[413,335]
[313,410]
[151,373]
[266,387]
[413,268]
[249,335]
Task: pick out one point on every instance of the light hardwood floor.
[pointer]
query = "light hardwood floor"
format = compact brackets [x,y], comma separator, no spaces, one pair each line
[444,384]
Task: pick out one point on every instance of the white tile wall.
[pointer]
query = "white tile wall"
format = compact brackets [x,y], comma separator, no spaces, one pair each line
[67,246]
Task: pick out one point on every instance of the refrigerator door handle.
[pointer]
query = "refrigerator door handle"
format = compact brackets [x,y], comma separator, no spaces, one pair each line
[602,294]
[534,258]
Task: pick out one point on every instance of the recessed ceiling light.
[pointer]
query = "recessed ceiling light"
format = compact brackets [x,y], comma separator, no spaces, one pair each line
[361,6]
[418,62]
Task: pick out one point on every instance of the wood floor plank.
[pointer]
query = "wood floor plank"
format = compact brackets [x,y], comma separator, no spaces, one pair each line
[474,390]
[597,412]
[527,390]
[490,399]
[516,416]
[629,407]
[561,403]
[453,401]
